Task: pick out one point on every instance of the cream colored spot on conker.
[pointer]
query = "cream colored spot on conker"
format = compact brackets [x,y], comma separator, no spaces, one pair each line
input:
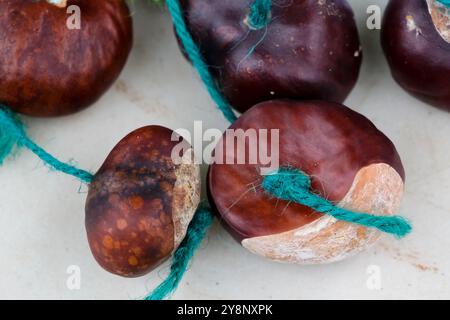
[155,153]
[58,3]
[121,224]
[137,251]
[440,15]
[108,242]
[133,261]
[136,202]
[376,189]
[411,25]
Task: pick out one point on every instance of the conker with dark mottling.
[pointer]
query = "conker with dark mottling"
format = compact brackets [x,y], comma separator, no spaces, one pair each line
[309,50]
[350,162]
[141,201]
[48,66]
[416,41]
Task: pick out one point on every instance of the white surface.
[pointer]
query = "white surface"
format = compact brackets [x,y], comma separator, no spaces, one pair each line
[42,212]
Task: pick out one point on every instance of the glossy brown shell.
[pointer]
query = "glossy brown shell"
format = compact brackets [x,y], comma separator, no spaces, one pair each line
[129,208]
[327,141]
[418,56]
[47,69]
[310,49]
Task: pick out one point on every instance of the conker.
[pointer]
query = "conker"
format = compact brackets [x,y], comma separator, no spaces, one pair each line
[309,50]
[50,69]
[416,41]
[140,202]
[349,160]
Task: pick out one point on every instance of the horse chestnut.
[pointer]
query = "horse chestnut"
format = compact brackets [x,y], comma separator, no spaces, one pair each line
[349,160]
[309,50]
[416,42]
[140,202]
[49,69]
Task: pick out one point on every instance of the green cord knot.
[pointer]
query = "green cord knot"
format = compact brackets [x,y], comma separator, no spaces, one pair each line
[293,185]
[260,14]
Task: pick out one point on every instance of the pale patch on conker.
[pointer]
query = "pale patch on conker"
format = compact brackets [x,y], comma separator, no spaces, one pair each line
[411,25]
[330,7]
[58,3]
[186,196]
[440,14]
[376,189]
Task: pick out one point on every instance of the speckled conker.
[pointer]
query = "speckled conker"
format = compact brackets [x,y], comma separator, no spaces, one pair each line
[349,160]
[48,68]
[416,41]
[140,202]
[309,50]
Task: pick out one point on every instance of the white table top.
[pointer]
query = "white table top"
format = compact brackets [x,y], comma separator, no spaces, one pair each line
[42,212]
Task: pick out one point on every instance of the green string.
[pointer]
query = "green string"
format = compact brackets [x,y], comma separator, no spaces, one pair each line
[13,135]
[203,218]
[196,58]
[259,15]
[293,185]
[194,236]
[192,51]
[445,2]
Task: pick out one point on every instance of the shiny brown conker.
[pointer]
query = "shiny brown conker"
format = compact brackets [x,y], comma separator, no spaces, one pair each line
[350,163]
[140,202]
[309,50]
[416,41]
[48,68]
